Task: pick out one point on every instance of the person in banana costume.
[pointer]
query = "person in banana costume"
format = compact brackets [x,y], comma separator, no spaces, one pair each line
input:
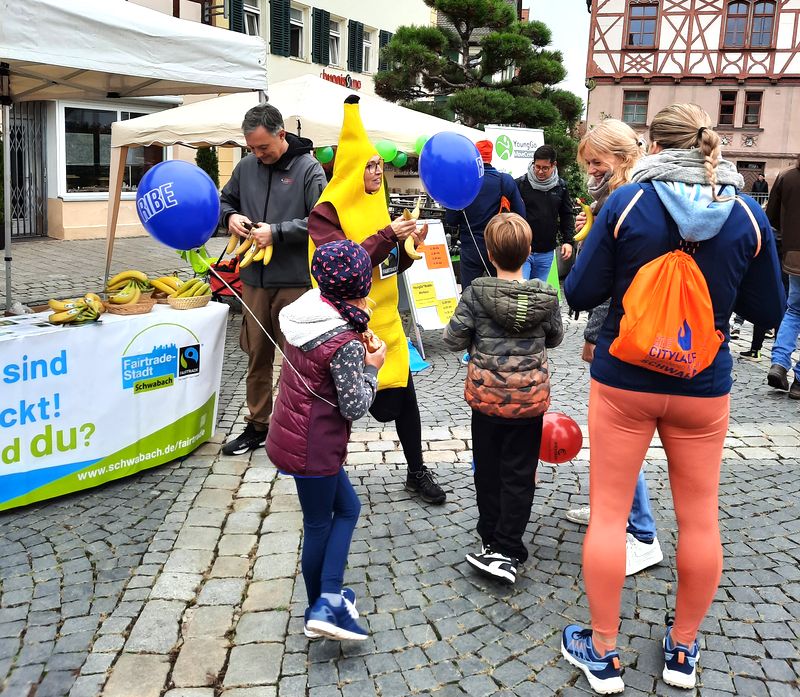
[353,206]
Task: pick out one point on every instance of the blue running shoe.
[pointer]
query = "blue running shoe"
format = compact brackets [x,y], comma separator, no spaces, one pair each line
[349,596]
[602,672]
[465,358]
[335,622]
[680,662]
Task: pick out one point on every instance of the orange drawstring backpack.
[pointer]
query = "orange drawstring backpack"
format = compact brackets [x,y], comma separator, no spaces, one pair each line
[668,321]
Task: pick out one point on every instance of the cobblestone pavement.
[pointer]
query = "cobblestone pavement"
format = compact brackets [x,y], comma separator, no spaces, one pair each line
[182,581]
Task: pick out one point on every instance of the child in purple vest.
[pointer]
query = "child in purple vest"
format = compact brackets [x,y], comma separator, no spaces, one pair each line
[329,379]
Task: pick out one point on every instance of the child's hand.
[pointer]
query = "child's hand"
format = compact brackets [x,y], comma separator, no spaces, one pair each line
[377,357]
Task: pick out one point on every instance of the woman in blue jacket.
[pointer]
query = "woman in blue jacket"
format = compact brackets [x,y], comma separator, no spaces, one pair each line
[687,193]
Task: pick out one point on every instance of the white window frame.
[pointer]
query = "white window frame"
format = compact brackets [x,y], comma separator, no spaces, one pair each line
[252,12]
[303,23]
[367,52]
[338,36]
[61,143]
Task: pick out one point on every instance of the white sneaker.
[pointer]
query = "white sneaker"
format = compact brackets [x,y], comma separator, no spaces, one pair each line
[578,515]
[640,555]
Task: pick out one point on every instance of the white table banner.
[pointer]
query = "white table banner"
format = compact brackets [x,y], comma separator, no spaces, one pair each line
[83,405]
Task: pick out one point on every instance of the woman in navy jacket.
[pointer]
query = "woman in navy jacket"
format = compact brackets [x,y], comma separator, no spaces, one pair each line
[687,193]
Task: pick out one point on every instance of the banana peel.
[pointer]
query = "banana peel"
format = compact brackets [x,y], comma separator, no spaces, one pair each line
[411,248]
[587,226]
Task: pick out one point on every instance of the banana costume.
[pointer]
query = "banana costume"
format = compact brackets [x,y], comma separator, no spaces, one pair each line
[360,216]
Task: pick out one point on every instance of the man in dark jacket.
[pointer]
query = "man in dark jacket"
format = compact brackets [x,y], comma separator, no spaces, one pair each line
[783,211]
[548,210]
[760,185]
[272,191]
[473,219]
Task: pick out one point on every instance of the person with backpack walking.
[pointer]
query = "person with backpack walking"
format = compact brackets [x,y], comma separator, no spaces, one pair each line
[609,152]
[663,363]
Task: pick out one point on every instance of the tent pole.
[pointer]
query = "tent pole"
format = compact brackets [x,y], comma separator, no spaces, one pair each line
[117,168]
[7,198]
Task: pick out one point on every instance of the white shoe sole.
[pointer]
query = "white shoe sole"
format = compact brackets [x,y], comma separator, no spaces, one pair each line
[577,519]
[601,687]
[331,631]
[497,574]
[656,556]
[676,679]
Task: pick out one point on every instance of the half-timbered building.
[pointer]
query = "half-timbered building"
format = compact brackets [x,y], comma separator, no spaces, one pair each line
[738,59]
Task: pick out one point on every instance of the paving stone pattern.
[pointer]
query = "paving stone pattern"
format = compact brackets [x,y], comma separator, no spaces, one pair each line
[183,581]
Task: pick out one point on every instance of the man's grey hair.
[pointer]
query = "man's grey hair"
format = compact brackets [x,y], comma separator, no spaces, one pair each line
[264,115]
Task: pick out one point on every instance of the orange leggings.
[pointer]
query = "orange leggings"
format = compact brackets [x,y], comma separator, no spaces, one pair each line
[692,430]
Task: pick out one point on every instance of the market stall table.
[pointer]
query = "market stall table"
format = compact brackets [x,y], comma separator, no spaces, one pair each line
[84,405]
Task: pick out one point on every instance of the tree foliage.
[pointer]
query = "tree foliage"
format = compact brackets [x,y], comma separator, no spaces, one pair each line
[483,67]
[207,160]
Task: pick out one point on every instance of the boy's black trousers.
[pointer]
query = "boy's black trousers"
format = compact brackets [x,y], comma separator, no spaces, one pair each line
[506,453]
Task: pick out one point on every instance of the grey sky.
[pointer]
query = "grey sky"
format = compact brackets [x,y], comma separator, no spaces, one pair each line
[569,22]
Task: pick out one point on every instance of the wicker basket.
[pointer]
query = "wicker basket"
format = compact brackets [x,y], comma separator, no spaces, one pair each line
[142,307]
[160,299]
[189,303]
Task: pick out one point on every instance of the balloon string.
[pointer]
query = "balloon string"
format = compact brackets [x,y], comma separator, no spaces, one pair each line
[478,249]
[267,334]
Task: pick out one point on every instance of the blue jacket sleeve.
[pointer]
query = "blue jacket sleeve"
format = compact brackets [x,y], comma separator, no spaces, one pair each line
[591,280]
[761,298]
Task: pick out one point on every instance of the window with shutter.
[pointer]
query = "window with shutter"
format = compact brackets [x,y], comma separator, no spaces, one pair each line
[320,40]
[355,46]
[383,38]
[279,27]
[236,16]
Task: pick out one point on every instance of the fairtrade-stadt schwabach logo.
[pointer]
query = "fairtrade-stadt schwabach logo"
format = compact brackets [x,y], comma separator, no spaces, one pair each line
[161,365]
[504,147]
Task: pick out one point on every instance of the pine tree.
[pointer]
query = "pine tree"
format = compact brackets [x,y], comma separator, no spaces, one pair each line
[207,160]
[481,66]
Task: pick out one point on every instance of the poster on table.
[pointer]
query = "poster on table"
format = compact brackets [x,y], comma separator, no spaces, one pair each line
[431,284]
[513,147]
[84,405]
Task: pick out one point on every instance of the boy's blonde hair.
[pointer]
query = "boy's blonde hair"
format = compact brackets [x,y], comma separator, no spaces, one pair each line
[687,126]
[508,239]
[612,138]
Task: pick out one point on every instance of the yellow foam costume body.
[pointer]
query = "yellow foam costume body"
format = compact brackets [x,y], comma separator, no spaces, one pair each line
[361,215]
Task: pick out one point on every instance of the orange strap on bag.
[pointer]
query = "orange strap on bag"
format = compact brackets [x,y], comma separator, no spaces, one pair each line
[668,322]
[505,205]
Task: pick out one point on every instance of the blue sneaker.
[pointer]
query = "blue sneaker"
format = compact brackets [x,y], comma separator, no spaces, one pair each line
[602,672]
[349,596]
[334,622]
[680,662]
[465,358]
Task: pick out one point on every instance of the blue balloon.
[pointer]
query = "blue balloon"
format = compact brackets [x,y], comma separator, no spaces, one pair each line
[451,169]
[178,204]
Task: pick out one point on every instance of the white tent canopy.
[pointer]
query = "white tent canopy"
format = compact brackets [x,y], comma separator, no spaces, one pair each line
[85,49]
[90,49]
[308,104]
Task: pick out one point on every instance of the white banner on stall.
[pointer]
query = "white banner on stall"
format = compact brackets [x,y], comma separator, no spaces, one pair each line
[513,147]
[431,284]
[80,406]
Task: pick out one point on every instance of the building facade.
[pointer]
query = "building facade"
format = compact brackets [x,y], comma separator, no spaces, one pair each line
[338,40]
[738,59]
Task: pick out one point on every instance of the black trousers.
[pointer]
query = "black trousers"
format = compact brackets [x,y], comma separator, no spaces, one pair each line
[399,404]
[506,454]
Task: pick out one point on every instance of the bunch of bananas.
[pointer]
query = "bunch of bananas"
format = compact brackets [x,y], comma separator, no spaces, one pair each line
[193,288]
[126,288]
[250,250]
[409,246]
[166,286]
[76,310]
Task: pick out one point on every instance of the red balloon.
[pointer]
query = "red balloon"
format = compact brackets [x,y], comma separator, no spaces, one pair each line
[561,438]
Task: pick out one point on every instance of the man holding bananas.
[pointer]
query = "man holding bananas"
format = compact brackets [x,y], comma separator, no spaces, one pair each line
[268,199]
